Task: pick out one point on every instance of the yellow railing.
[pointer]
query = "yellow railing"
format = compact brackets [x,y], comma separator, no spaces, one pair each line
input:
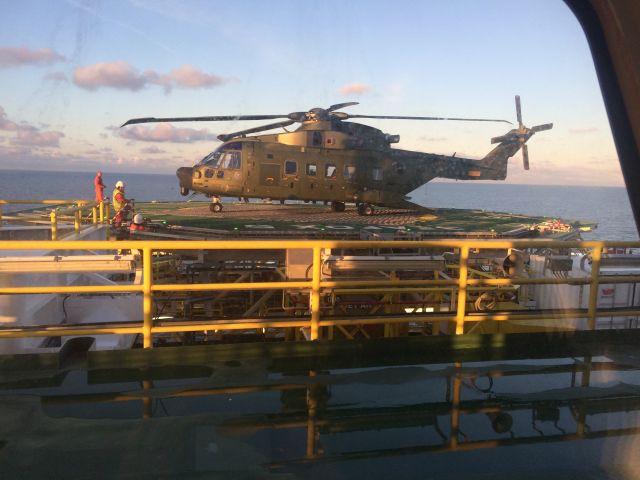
[99,211]
[315,286]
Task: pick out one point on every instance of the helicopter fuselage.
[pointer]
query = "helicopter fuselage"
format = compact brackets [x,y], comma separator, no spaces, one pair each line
[321,161]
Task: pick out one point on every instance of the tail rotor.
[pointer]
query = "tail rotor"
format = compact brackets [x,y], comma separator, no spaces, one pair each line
[521,134]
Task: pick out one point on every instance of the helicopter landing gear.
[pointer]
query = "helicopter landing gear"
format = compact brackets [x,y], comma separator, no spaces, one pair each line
[184,191]
[337,206]
[216,205]
[365,209]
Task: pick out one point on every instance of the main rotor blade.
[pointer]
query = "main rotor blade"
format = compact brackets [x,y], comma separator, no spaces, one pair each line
[518,111]
[338,106]
[525,156]
[542,128]
[219,118]
[396,117]
[224,137]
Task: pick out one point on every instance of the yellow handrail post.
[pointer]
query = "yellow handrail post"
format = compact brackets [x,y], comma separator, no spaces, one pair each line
[315,294]
[462,289]
[147,305]
[107,213]
[594,287]
[94,211]
[102,211]
[76,220]
[54,225]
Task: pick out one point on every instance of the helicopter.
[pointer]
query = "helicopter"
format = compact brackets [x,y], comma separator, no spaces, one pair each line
[331,160]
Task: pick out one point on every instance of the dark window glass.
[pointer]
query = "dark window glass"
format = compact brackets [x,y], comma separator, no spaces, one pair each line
[290,167]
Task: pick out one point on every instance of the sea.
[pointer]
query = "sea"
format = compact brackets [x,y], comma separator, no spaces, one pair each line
[607,206]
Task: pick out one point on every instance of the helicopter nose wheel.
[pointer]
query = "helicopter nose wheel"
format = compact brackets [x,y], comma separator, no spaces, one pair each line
[365,209]
[337,206]
[216,205]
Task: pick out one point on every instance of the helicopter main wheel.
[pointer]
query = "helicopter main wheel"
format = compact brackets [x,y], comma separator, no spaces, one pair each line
[215,207]
[184,191]
[337,206]
[365,209]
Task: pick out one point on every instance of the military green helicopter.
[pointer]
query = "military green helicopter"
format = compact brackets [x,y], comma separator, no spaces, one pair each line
[330,160]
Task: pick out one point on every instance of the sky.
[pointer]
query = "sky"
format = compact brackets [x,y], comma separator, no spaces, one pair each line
[72,71]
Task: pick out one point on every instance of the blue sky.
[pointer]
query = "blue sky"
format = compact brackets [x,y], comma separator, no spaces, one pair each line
[72,71]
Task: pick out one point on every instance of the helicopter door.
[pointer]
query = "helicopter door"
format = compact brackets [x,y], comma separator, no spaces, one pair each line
[270,174]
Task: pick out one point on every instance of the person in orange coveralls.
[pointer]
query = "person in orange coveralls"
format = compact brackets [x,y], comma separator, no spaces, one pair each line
[99,186]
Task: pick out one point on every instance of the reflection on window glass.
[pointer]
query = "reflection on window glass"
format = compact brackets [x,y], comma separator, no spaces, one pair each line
[290,167]
[311,169]
[349,171]
[376,173]
[330,171]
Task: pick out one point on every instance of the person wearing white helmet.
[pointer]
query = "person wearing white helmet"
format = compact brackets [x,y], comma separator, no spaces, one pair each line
[119,203]
[137,225]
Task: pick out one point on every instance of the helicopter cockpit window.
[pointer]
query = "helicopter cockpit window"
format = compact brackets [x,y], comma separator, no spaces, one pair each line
[376,173]
[290,167]
[330,171]
[231,160]
[349,171]
[212,159]
[311,169]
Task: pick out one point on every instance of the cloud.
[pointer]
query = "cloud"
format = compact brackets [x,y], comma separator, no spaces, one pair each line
[583,130]
[28,135]
[354,89]
[19,56]
[5,123]
[189,77]
[118,75]
[164,132]
[152,150]
[56,77]
[32,137]
[123,76]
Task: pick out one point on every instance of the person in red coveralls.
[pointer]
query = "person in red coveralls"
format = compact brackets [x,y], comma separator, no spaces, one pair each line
[99,186]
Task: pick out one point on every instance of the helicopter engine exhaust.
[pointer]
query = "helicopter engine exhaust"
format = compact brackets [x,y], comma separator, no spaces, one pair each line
[184,175]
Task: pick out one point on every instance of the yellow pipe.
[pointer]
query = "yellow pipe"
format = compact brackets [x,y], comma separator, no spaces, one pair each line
[101,208]
[54,225]
[198,287]
[147,300]
[462,290]
[315,293]
[94,211]
[285,244]
[594,289]
[71,289]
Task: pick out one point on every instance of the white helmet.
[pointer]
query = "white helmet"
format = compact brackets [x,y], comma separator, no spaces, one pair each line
[138,219]
[119,184]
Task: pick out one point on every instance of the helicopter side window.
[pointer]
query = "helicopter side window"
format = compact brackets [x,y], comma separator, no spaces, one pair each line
[290,167]
[349,171]
[231,160]
[312,169]
[330,171]
[316,139]
[399,167]
[376,173]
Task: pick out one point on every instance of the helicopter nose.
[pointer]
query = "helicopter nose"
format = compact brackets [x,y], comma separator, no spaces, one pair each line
[184,175]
